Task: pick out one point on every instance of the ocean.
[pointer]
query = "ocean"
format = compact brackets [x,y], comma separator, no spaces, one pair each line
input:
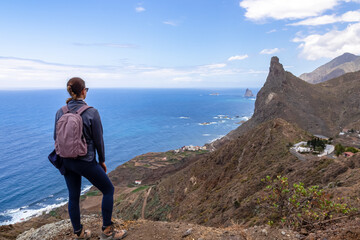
[135,121]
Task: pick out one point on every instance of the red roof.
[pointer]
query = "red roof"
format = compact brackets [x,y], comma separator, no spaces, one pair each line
[348,154]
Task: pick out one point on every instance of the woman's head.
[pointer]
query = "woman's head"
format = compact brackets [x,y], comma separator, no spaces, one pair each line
[76,88]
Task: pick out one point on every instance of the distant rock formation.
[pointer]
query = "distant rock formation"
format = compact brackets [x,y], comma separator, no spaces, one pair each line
[338,66]
[248,93]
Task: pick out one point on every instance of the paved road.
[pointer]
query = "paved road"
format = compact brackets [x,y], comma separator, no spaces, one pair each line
[298,155]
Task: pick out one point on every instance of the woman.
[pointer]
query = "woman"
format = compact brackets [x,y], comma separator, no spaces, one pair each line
[87,165]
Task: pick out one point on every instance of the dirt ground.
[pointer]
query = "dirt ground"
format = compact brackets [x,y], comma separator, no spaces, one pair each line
[149,230]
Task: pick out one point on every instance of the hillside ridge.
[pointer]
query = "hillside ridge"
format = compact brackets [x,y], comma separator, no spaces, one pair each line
[338,66]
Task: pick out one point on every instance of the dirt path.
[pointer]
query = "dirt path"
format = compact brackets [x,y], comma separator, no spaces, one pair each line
[144,203]
[149,230]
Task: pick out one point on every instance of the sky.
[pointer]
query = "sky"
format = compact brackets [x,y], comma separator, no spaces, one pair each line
[169,43]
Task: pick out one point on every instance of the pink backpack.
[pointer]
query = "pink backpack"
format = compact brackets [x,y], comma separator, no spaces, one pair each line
[70,142]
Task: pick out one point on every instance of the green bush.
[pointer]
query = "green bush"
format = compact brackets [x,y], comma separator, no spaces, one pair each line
[298,206]
[92,193]
[140,188]
[351,149]
[339,149]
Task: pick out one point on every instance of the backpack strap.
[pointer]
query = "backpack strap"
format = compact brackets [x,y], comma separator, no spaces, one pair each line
[65,109]
[82,109]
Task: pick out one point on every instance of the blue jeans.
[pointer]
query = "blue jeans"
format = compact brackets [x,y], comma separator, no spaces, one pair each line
[93,172]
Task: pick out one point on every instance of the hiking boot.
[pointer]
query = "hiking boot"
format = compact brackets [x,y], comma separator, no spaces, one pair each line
[84,235]
[110,233]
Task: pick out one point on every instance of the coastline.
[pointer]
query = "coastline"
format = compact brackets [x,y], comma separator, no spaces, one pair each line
[181,123]
[23,214]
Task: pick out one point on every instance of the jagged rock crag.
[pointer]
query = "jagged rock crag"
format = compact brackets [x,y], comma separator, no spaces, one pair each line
[323,108]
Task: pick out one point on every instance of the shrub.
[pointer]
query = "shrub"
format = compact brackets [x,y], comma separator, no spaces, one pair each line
[339,149]
[351,149]
[140,189]
[298,206]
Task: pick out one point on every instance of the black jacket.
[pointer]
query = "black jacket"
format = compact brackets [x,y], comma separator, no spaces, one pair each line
[92,130]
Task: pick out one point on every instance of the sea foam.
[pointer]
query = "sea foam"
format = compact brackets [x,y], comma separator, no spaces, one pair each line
[26,212]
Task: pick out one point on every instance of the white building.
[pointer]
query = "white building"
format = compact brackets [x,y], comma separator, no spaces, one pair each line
[328,150]
[303,149]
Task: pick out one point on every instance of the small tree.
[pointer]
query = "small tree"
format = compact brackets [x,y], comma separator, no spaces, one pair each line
[339,149]
[298,206]
[317,144]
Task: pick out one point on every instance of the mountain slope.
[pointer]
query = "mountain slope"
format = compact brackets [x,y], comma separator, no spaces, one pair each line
[221,185]
[338,66]
[323,108]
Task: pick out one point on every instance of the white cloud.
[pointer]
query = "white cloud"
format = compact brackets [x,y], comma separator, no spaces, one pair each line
[113,45]
[238,57]
[330,44]
[256,72]
[351,16]
[186,79]
[269,51]
[35,74]
[172,23]
[213,66]
[272,31]
[285,9]
[140,9]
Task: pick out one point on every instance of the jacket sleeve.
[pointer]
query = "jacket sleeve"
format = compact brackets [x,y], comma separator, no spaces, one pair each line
[97,131]
[56,119]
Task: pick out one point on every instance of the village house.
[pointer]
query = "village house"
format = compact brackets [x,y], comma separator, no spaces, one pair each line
[301,147]
[348,154]
[322,137]
[190,148]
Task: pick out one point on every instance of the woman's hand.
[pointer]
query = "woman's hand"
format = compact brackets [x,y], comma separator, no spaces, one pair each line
[103,165]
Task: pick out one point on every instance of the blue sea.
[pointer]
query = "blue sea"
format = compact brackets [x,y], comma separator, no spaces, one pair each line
[135,121]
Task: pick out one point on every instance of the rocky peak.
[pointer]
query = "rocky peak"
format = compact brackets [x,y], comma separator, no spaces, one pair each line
[275,66]
[338,66]
[346,57]
[276,74]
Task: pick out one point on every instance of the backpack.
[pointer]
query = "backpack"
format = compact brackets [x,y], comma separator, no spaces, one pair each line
[70,141]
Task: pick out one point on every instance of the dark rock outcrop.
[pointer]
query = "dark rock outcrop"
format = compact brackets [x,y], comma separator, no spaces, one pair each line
[323,108]
[248,93]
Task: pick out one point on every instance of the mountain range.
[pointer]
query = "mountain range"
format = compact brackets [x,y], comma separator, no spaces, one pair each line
[338,66]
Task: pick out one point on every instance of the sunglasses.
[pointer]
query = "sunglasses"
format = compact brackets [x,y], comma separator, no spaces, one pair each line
[86,89]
